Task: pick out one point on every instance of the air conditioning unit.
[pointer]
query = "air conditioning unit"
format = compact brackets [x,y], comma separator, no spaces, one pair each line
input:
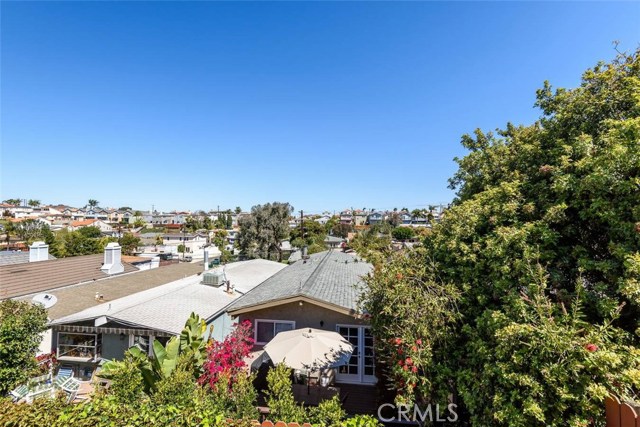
[215,279]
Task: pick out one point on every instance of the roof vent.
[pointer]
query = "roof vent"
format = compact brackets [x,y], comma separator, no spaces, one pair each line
[112,259]
[38,251]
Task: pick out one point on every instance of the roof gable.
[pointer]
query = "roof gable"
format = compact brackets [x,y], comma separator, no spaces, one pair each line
[330,277]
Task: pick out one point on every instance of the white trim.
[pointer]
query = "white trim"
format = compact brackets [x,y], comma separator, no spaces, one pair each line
[274,321]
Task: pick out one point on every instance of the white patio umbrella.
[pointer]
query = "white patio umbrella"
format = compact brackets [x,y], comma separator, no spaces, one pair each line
[309,349]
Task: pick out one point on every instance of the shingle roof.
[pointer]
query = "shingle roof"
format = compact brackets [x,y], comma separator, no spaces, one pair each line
[72,299]
[165,308]
[16,257]
[34,277]
[332,277]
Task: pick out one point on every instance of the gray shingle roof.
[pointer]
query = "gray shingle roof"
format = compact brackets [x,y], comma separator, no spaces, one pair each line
[167,307]
[332,277]
[16,257]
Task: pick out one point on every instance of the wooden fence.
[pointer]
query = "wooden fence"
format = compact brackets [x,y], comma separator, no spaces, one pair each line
[621,414]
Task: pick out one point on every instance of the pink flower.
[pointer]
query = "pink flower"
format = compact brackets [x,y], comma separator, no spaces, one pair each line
[419,341]
[591,347]
[409,361]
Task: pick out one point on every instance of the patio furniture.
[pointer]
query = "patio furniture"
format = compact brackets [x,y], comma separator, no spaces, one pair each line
[309,349]
[19,392]
[65,371]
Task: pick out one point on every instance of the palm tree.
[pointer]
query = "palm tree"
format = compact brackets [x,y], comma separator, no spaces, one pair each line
[34,203]
[93,203]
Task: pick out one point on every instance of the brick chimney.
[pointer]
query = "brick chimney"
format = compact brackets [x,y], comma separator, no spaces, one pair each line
[38,251]
[112,259]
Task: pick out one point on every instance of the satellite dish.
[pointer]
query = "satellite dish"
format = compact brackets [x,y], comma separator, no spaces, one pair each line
[46,300]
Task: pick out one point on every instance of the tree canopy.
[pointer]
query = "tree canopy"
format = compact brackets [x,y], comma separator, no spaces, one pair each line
[535,268]
[263,229]
[21,325]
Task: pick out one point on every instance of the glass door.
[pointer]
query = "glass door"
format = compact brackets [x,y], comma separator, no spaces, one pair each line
[361,366]
[351,371]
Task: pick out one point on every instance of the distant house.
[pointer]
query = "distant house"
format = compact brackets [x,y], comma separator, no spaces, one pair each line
[193,242]
[105,331]
[323,219]
[346,217]
[96,213]
[321,292]
[375,218]
[359,218]
[406,218]
[121,216]
[102,225]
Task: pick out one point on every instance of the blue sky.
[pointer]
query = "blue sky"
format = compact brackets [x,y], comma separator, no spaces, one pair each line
[326,105]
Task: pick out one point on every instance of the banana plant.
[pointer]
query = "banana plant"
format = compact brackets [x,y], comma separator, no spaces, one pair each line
[191,343]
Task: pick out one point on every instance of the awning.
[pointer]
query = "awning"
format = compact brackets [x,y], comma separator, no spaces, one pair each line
[115,331]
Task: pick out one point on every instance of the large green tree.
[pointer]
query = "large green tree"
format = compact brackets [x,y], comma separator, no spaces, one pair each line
[21,326]
[31,230]
[543,246]
[263,229]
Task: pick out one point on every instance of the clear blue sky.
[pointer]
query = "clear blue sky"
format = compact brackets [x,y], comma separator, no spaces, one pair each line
[326,105]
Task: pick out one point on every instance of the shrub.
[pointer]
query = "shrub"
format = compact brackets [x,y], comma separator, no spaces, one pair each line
[361,421]
[328,413]
[280,396]
[21,326]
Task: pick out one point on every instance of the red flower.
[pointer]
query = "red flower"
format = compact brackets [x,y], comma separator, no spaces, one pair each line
[419,341]
[414,348]
[398,341]
[591,348]
[414,369]
[405,367]
[409,361]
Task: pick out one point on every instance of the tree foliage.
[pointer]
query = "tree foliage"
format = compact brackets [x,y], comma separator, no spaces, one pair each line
[129,243]
[263,229]
[21,326]
[403,233]
[543,247]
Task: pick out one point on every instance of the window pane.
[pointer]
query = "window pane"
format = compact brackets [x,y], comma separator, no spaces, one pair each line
[283,327]
[264,331]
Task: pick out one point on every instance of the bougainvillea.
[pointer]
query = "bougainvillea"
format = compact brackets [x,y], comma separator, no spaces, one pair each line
[46,362]
[226,358]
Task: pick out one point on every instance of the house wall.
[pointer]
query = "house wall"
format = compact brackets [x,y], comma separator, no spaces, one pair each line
[306,315]
[113,347]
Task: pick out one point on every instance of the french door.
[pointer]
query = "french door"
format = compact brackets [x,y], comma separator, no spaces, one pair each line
[360,367]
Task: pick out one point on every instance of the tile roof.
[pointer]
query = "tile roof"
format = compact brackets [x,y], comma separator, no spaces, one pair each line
[15,257]
[34,277]
[332,277]
[83,223]
[166,308]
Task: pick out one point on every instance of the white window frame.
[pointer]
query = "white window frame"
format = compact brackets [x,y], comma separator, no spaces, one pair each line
[274,321]
[94,346]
